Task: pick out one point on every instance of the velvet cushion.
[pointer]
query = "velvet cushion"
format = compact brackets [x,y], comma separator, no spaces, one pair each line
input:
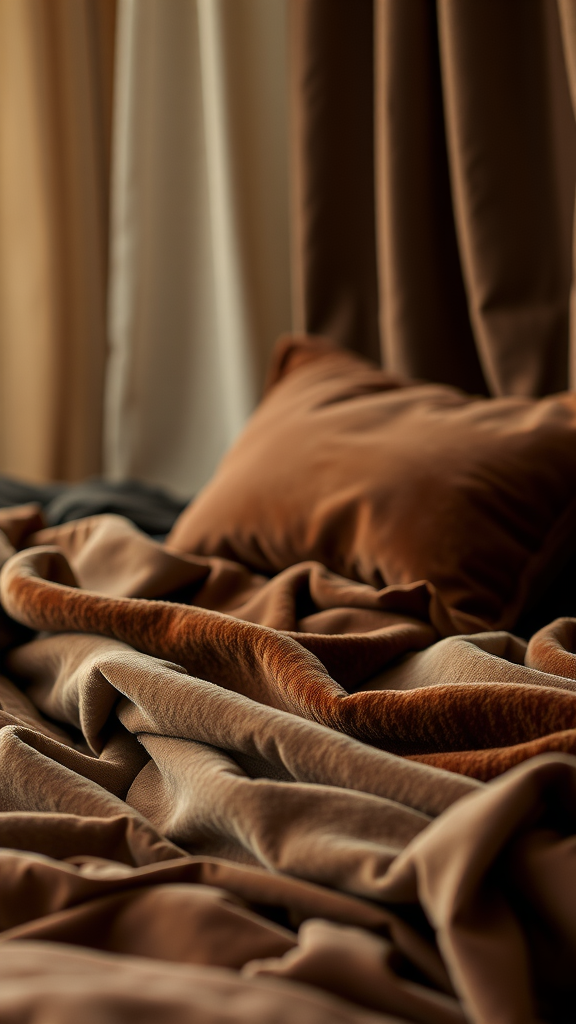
[389,481]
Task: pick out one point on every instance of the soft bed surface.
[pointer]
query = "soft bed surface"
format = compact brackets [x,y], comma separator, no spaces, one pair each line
[390,481]
[234,796]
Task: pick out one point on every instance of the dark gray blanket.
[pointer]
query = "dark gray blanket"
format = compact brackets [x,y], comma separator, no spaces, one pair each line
[152,509]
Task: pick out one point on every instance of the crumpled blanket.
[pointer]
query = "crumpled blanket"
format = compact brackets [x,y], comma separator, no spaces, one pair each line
[232,798]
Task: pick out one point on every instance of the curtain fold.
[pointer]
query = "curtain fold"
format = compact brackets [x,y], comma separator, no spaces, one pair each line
[331,82]
[467,119]
[510,127]
[424,321]
[55,111]
[200,276]
[567,12]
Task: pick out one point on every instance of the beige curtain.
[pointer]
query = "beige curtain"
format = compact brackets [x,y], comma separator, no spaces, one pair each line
[434,159]
[200,277]
[161,349]
[55,109]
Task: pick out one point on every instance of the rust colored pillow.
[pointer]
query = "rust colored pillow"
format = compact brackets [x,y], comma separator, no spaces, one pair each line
[389,481]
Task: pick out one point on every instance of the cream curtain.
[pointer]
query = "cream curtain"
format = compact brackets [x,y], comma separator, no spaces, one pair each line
[199,282]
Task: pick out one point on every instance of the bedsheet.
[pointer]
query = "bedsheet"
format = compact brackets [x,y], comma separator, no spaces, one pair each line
[226,797]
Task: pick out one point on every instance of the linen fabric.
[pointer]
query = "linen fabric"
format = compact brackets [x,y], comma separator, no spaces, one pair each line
[390,482]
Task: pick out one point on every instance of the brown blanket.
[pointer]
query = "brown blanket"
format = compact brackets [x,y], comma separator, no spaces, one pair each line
[233,798]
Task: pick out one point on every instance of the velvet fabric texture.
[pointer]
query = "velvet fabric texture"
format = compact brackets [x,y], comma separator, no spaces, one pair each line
[390,482]
[193,831]
[433,175]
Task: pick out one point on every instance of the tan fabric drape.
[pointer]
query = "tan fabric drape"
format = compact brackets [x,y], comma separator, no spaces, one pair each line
[434,168]
[56,64]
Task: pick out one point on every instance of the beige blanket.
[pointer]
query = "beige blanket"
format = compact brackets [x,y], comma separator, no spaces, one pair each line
[228,798]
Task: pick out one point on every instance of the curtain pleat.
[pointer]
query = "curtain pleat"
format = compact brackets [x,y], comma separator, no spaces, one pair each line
[200,268]
[332,159]
[509,124]
[567,12]
[468,123]
[55,111]
[425,325]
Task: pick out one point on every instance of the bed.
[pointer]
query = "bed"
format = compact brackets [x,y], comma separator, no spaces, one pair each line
[311,756]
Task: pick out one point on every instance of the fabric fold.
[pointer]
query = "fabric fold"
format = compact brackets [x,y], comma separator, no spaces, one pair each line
[187,786]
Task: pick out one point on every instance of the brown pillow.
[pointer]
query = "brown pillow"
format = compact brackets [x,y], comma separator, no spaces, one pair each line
[389,481]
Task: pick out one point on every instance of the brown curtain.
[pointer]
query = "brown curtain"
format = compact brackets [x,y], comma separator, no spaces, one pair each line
[56,63]
[434,169]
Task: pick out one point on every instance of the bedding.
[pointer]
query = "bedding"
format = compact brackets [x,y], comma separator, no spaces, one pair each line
[153,509]
[237,792]
[390,481]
